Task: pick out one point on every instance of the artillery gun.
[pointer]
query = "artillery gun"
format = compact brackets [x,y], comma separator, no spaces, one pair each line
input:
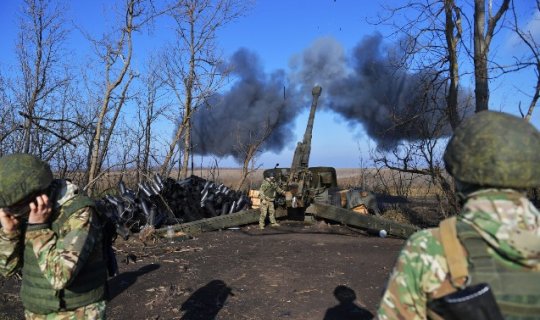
[315,189]
[305,185]
[311,190]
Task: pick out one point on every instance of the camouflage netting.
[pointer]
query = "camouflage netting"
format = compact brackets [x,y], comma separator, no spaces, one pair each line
[494,149]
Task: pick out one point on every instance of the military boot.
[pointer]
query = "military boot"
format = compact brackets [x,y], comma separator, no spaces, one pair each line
[275,224]
[261,227]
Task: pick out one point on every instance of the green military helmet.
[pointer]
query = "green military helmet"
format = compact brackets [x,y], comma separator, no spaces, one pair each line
[22,175]
[494,149]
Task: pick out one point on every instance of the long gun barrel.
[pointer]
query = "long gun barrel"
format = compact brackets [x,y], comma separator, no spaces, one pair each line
[303,149]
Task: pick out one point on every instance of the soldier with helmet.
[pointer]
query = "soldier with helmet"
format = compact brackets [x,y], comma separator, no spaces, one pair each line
[493,244]
[52,234]
[267,194]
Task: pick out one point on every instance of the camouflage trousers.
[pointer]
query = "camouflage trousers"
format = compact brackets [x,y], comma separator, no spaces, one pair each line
[267,207]
[94,311]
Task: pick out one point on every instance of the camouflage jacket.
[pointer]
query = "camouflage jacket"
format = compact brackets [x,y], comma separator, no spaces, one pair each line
[60,258]
[269,189]
[421,268]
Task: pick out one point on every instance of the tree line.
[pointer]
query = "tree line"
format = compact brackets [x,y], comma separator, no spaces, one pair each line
[93,117]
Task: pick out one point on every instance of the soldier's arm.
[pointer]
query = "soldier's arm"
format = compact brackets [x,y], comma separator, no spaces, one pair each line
[61,260]
[420,269]
[10,252]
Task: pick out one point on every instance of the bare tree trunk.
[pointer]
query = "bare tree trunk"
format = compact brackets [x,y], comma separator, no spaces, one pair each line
[189,104]
[534,100]
[249,160]
[166,165]
[480,57]
[249,149]
[451,41]
[481,49]
[192,66]
[147,137]
[98,149]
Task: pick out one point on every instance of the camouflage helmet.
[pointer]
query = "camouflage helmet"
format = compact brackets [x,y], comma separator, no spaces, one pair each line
[22,175]
[494,149]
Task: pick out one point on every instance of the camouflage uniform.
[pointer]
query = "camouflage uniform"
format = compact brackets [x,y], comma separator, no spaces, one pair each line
[421,271]
[59,256]
[92,311]
[491,156]
[267,194]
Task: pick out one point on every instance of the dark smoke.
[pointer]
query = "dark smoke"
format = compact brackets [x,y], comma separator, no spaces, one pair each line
[367,89]
[241,115]
[390,103]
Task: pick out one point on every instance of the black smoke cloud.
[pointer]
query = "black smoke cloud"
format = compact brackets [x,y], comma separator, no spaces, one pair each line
[366,89]
[373,91]
[241,115]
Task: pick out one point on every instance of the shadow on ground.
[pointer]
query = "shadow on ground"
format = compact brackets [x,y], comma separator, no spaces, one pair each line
[205,303]
[124,280]
[346,309]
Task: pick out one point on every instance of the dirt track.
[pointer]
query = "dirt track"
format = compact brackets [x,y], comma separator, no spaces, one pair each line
[295,271]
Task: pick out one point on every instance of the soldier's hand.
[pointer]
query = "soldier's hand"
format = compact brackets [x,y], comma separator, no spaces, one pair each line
[40,209]
[9,223]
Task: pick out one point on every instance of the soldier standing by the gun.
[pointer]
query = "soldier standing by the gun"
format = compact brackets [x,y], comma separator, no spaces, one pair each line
[267,194]
[54,236]
[495,240]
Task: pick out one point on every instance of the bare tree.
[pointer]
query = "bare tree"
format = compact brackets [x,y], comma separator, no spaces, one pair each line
[40,39]
[532,60]
[248,150]
[39,107]
[436,39]
[116,56]
[149,110]
[452,31]
[192,65]
[42,77]
[432,39]
[483,34]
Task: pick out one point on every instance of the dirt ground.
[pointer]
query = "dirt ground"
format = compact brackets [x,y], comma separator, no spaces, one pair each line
[295,271]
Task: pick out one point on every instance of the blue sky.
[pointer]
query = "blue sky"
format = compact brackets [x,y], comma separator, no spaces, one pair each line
[277,30]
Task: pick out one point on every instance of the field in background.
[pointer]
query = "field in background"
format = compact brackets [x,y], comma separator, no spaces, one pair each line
[378,181]
[369,179]
[404,198]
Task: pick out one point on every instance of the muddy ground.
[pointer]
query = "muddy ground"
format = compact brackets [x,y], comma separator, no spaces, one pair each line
[295,271]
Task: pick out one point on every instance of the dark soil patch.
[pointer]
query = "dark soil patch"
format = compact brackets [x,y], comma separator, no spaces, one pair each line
[294,271]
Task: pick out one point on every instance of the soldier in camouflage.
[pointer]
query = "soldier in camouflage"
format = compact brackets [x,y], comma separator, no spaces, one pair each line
[53,235]
[267,194]
[493,157]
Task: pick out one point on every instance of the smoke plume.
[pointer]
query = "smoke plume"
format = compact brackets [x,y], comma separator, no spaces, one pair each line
[368,89]
[240,116]
[372,90]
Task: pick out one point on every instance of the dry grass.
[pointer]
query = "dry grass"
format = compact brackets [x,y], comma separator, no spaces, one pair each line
[382,182]
[394,189]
